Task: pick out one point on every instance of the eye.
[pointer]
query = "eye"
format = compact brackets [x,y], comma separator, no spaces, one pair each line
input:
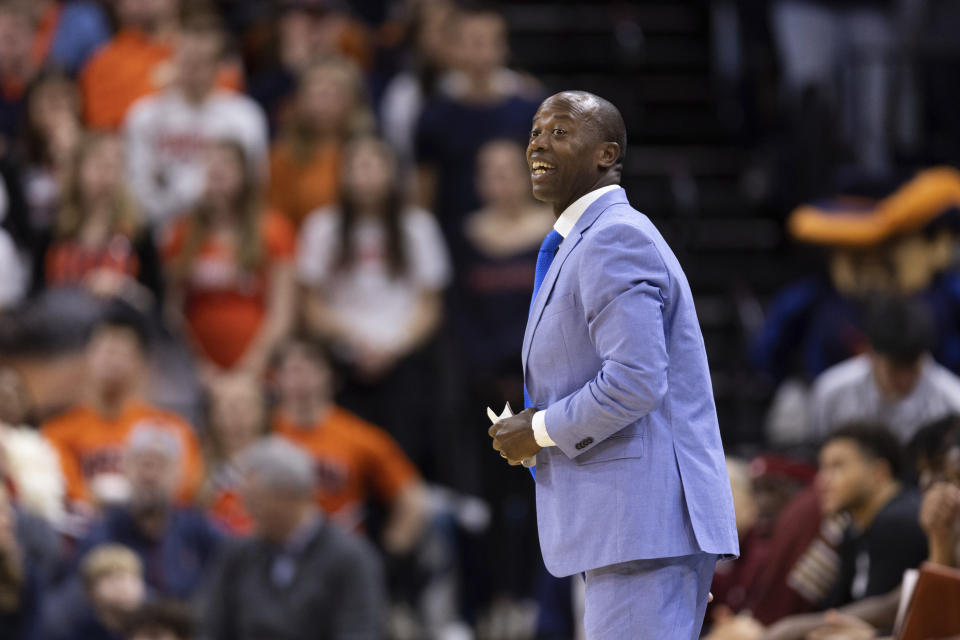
[534,133]
[559,132]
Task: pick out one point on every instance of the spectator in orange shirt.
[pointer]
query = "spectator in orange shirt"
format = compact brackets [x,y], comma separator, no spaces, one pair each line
[237,418]
[90,437]
[135,63]
[352,457]
[331,106]
[230,266]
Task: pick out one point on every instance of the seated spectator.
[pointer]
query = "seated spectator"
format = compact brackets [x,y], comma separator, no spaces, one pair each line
[68,32]
[302,33]
[237,418]
[135,63]
[860,468]
[17,69]
[161,620]
[168,133]
[175,544]
[95,606]
[733,578]
[49,138]
[497,103]
[305,162]
[301,576]
[374,270]
[230,271]
[21,584]
[89,437]
[98,239]
[43,354]
[354,460]
[897,382]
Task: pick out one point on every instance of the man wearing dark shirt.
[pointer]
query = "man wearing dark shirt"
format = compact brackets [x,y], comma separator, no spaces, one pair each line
[860,466]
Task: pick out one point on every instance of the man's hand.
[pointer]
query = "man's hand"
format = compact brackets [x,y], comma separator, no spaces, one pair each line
[940,509]
[513,437]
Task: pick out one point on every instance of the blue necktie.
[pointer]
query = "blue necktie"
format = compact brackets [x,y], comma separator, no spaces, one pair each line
[548,251]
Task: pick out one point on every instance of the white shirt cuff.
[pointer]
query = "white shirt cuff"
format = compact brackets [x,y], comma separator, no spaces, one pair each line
[540,430]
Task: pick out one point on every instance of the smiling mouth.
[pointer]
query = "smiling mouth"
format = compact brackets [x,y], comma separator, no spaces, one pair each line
[538,167]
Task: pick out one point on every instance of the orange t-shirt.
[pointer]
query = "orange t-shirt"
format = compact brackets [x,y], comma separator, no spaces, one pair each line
[128,68]
[225,305]
[353,459]
[296,187]
[89,444]
[224,503]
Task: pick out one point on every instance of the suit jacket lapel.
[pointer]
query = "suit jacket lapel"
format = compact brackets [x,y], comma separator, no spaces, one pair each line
[550,279]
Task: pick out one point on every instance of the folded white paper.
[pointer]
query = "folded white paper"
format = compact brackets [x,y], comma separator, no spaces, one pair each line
[506,413]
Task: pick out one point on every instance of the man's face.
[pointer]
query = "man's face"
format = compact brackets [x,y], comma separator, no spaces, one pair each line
[845,475]
[894,379]
[562,153]
[301,377]
[153,476]
[482,43]
[115,359]
[118,592]
[275,514]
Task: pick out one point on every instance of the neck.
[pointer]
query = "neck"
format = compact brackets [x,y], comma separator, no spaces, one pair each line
[480,87]
[603,181]
[195,96]
[110,404]
[306,516]
[308,412]
[864,514]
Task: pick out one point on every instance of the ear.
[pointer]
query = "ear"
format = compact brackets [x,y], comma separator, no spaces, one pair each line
[607,154]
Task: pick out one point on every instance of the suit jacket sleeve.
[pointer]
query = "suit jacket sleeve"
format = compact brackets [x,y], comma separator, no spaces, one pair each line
[623,283]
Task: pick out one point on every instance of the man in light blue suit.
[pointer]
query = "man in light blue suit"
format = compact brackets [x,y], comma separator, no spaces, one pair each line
[632,489]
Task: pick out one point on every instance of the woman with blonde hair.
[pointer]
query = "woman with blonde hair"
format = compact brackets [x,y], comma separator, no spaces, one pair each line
[229,269]
[330,107]
[98,239]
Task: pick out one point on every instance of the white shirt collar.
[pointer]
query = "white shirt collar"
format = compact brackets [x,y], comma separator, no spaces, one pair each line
[570,215]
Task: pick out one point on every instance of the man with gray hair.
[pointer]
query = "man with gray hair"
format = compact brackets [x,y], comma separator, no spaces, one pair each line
[299,576]
[176,543]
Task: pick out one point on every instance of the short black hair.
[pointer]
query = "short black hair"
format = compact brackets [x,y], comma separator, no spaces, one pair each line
[162,616]
[874,440]
[57,322]
[899,329]
[118,314]
[932,440]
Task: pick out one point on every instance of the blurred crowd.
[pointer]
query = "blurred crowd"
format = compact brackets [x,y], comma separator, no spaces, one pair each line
[263,266]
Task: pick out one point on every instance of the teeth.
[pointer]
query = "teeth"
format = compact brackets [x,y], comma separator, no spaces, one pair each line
[540,165]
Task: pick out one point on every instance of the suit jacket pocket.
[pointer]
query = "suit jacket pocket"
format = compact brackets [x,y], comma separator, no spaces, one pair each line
[616,447]
[558,304]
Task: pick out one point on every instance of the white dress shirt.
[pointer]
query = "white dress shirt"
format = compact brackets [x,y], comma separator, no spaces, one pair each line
[564,225]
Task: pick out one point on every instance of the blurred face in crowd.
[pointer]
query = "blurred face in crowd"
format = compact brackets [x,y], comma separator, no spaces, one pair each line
[502,178]
[51,102]
[146,14]
[16,40]
[153,474]
[848,477]
[433,32]
[895,380]
[117,592]
[276,514]
[369,172]
[115,360]
[237,413]
[14,397]
[101,171]
[481,43]
[301,378]
[225,174]
[197,60]
[326,98]
[8,531]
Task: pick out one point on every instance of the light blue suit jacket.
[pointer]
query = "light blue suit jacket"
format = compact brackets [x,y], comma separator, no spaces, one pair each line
[614,354]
